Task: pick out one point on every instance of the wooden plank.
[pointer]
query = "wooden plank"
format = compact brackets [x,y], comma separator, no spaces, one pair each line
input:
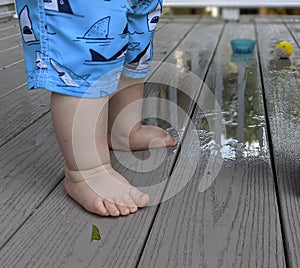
[12,77]
[73,240]
[26,176]
[160,25]
[281,85]
[13,54]
[164,46]
[6,2]
[10,41]
[12,70]
[9,30]
[196,53]
[4,23]
[53,223]
[19,110]
[294,27]
[11,57]
[179,18]
[268,19]
[235,222]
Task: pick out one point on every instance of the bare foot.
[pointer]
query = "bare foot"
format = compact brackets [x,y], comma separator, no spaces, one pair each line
[104,191]
[125,131]
[142,137]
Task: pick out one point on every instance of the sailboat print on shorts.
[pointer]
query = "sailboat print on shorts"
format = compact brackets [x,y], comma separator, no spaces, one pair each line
[69,78]
[97,58]
[39,62]
[153,17]
[26,26]
[140,61]
[61,6]
[98,31]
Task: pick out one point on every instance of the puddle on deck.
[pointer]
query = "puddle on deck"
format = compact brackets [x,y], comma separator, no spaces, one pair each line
[240,99]
[237,93]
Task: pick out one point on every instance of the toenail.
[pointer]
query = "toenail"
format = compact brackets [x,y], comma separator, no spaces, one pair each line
[116,212]
[134,209]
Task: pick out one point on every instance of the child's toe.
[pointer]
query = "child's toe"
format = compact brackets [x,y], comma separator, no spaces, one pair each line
[100,208]
[130,204]
[124,210]
[139,198]
[112,209]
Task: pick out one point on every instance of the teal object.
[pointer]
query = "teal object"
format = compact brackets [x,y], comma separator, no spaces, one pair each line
[242,45]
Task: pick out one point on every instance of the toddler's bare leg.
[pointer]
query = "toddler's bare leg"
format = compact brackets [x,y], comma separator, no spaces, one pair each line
[127,130]
[81,131]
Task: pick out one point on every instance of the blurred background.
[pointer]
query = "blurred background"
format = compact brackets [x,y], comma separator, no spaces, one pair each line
[7,10]
[215,11]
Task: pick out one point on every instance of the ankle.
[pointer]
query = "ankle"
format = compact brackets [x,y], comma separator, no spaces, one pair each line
[84,174]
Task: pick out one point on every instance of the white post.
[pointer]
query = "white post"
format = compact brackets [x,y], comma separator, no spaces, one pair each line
[230,13]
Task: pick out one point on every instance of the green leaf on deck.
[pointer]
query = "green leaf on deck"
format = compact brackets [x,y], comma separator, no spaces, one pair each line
[95,233]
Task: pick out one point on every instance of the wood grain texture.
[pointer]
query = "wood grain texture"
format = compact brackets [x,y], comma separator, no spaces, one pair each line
[294,27]
[124,232]
[11,57]
[52,238]
[12,78]
[180,18]
[19,110]
[27,176]
[160,25]
[10,41]
[235,222]
[9,30]
[281,84]
[7,24]
[168,37]
[194,55]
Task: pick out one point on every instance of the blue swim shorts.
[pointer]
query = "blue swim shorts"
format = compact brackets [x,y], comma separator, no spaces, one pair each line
[80,48]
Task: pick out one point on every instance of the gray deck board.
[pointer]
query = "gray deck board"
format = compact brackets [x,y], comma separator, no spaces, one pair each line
[294,27]
[10,41]
[8,31]
[235,222]
[281,83]
[5,23]
[11,57]
[106,225]
[27,176]
[174,31]
[12,78]
[19,110]
[18,107]
[248,217]
[11,65]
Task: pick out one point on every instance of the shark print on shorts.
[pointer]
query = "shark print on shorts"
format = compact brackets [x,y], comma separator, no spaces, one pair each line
[81,50]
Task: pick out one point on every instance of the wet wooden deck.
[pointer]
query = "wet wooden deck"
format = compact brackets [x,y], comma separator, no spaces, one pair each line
[248,216]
